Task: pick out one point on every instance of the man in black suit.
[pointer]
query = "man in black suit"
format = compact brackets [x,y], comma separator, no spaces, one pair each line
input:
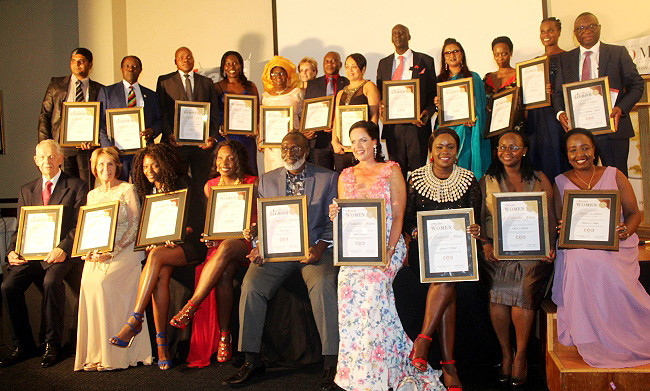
[129,93]
[595,59]
[407,143]
[320,143]
[75,88]
[184,84]
[53,188]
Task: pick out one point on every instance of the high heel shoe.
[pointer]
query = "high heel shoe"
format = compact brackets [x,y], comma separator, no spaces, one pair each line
[519,383]
[161,363]
[115,341]
[418,362]
[451,388]
[224,353]
[183,317]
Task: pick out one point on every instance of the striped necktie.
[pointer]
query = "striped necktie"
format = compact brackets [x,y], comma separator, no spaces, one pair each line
[79,94]
[131,97]
[586,66]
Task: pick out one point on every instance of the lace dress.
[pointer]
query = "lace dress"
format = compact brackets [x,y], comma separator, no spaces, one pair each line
[373,348]
[109,290]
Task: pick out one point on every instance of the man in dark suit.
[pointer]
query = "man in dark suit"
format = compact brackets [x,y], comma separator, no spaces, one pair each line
[54,187]
[184,84]
[407,143]
[75,88]
[262,279]
[129,93]
[320,143]
[595,59]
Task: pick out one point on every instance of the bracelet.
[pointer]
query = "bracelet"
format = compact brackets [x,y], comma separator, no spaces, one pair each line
[390,248]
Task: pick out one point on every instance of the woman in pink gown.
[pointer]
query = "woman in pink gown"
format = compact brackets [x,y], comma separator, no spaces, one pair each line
[602,308]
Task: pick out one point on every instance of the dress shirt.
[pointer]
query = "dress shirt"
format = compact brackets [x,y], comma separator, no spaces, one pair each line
[54,180]
[183,78]
[335,80]
[72,89]
[595,56]
[407,73]
[139,100]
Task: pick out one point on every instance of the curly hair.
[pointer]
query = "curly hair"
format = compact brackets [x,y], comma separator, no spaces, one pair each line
[168,162]
[242,166]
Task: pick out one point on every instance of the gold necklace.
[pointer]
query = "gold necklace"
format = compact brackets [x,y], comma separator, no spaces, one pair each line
[592,178]
[223,183]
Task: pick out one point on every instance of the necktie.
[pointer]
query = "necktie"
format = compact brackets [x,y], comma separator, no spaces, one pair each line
[47,192]
[330,86]
[131,98]
[397,75]
[586,66]
[79,94]
[188,88]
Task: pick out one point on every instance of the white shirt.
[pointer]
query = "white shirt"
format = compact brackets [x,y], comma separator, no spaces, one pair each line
[191,74]
[595,56]
[139,100]
[72,89]
[54,181]
[407,73]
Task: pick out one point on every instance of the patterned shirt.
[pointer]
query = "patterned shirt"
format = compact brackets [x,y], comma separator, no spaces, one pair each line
[296,183]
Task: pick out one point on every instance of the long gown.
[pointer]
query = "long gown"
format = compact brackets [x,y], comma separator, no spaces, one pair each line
[602,308]
[109,290]
[373,348]
[295,97]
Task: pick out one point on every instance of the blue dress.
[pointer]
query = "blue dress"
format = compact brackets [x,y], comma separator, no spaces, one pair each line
[249,143]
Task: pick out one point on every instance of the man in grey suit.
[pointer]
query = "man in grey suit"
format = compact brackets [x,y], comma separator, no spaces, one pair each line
[263,279]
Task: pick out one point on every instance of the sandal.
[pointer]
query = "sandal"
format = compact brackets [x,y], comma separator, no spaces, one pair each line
[224,353]
[418,362]
[163,363]
[451,388]
[115,341]
[183,317]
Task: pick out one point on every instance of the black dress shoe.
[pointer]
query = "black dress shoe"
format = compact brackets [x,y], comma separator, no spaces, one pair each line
[327,383]
[50,356]
[16,356]
[245,373]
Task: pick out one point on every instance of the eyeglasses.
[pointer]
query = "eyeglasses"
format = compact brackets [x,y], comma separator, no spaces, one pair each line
[582,29]
[511,148]
[293,150]
[449,53]
[278,74]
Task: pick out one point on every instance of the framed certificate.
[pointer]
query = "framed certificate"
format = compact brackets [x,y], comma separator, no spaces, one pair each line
[589,219]
[532,78]
[520,226]
[39,231]
[317,114]
[447,251]
[95,228]
[360,233]
[229,211]
[276,122]
[588,105]
[456,102]
[282,227]
[163,218]
[80,124]
[504,109]
[402,101]
[124,127]
[191,122]
[346,116]
[240,114]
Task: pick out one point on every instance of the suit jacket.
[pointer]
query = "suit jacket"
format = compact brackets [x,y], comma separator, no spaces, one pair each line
[171,88]
[615,63]
[49,122]
[113,97]
[320,189]
[315,89]
[424,70]
[70,192]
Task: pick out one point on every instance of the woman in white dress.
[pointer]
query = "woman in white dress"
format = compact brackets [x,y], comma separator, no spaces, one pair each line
[109,284]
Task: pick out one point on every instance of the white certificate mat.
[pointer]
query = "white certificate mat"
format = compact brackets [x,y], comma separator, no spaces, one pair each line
[401,102]
[40,233]
[191,123]
[520,225]
[162,218]
[501,111]
[126,131]
[276,125]
[96,229]
[456,103]
[317,115]
[588,108]
[533,83]
[240,114]
[447,245]
[80,124]
[283,228]
[590,219]
[230,212]
[360,229]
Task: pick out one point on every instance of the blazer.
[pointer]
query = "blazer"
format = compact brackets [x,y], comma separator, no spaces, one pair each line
[615,63]
[315,89]
[171,88]
[70,192]
[424,70]
[320,189]
[49,121]
[113,97]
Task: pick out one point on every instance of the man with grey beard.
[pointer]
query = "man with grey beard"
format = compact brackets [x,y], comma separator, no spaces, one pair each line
[263,279]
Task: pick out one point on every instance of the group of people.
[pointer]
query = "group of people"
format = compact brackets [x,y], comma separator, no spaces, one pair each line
[364,344]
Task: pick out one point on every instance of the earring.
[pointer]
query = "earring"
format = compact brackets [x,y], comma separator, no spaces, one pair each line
[375,151]
[447,66]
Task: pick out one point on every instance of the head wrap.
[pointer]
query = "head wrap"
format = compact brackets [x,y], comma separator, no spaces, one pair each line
[279,61]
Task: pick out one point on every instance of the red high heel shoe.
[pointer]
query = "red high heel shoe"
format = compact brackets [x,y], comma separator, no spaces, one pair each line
[451,388]
[419,363]
[183,317]
[224,353]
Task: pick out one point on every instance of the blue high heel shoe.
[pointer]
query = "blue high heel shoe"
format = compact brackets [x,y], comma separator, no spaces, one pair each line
[115,341]
[161,363]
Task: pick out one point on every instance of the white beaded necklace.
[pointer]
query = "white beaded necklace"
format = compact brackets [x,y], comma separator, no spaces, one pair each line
[442,190]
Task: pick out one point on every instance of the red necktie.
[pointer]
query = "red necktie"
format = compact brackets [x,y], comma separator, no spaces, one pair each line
[397,75]
[586,66]
[47,192]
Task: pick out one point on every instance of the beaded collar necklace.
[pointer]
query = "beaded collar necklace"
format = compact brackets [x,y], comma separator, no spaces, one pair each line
[442,190]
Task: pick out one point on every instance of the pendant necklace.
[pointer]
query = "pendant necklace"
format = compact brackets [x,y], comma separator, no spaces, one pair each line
[592,178]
